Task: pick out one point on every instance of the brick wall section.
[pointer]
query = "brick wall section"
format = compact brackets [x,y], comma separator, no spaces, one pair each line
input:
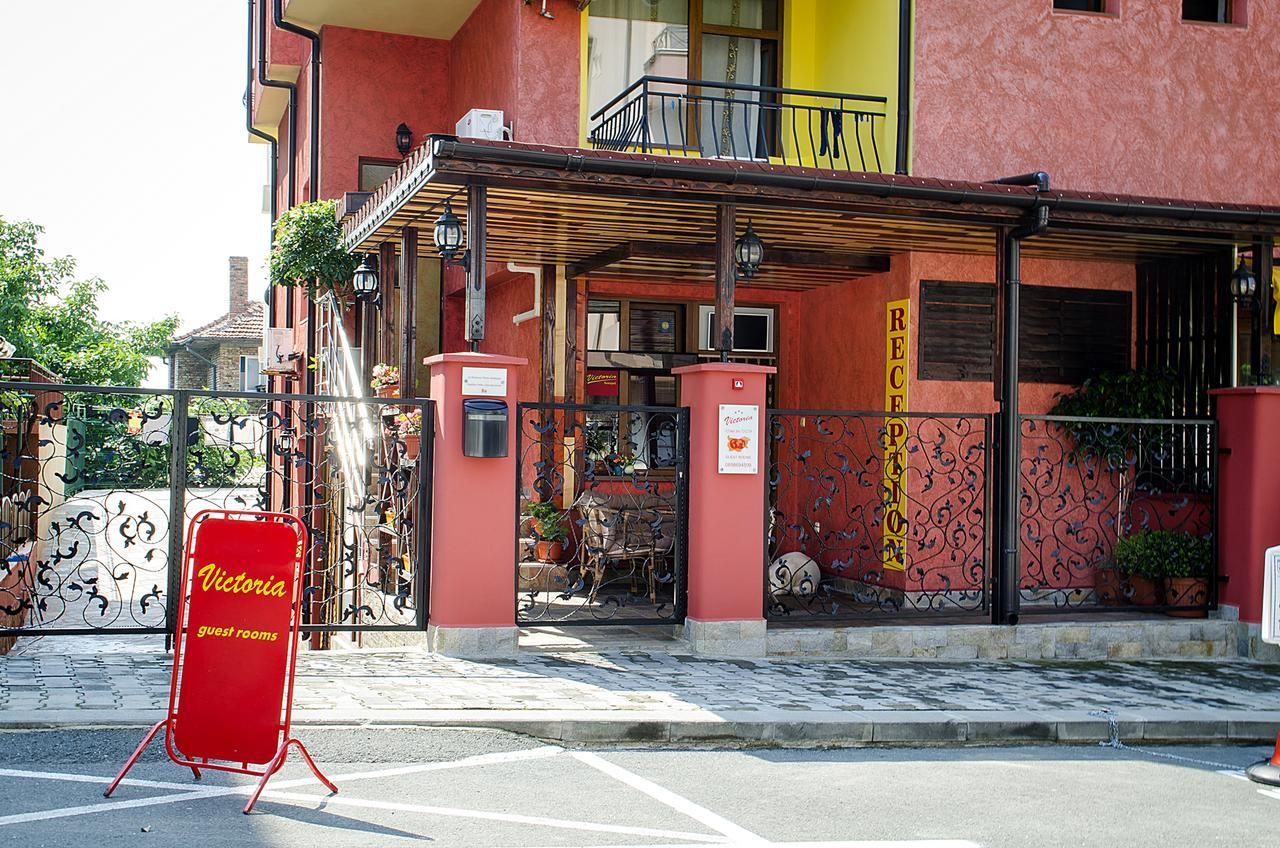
[193,372]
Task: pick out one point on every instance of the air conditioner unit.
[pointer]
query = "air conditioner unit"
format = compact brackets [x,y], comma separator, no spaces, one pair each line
[483,123]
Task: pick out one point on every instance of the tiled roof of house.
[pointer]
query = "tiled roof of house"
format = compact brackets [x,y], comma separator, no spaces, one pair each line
[245,324]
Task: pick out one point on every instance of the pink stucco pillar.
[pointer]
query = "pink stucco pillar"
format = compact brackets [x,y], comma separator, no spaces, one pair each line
[726,506]
[1248,492]
[473,532]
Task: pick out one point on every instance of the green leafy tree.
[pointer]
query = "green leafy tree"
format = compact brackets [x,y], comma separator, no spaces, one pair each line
[308,250]
[52,317]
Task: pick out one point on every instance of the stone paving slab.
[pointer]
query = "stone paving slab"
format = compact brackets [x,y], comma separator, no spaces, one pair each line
[661,697]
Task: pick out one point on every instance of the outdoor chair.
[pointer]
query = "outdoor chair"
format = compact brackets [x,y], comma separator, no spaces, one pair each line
[617,533]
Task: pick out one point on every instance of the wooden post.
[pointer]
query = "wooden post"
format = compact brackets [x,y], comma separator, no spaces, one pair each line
[547,304]
[571,340]
[476,246]
[408,292]
[726,279]
[387,293]
[1260,352]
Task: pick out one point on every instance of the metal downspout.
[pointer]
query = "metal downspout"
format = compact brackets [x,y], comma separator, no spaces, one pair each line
[1005,610]
[904,85]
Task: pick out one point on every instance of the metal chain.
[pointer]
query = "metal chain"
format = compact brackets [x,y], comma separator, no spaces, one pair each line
[1114,742]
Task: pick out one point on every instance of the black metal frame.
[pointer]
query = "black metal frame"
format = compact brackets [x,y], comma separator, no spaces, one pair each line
[1185,465]
[677,472]
[938,603]
[216,467]
[624,124]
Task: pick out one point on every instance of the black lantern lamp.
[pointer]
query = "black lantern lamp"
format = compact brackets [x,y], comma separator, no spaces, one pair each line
[365,281]
[1244,286]
[404,139]
[748,253]
[448,237]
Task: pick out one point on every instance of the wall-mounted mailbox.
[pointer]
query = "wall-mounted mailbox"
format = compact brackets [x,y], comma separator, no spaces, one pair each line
[484,427]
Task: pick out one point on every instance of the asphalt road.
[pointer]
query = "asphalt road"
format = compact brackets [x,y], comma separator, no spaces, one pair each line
[403,786]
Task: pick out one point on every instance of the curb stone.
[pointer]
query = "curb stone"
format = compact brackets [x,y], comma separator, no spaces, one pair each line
[919,728]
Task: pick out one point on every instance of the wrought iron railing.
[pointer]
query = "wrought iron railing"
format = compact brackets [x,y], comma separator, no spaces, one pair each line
[724,120]
[1086,485]
[601,512]
[102,481]
[869,513]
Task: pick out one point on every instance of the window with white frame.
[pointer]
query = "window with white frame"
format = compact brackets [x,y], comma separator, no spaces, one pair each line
[752,329]
[250,374]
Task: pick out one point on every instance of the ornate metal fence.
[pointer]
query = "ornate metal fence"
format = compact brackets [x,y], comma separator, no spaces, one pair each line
[601,513]
[1110,511]
[101,483]
[874,513]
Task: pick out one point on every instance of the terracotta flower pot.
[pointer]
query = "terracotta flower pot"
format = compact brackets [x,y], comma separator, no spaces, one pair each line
[549,551]
[1108,588]
[1140,591]
[1186,591]
[391,391]
[412,444]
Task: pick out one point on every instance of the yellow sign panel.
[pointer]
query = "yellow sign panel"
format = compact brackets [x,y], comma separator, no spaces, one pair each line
[897,366]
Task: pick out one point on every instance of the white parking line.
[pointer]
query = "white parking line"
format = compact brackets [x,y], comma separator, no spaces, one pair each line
[93,778]
[478,760]
[676,802]
[514,818]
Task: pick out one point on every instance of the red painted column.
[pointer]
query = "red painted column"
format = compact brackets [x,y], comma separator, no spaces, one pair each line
[1248,492]
[726,511]
[473,525]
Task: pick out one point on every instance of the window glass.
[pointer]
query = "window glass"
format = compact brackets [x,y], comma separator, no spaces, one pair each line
[628,39]
[652,329]
[604,325]
[752,14]
[250,374]
[1081,5]
[374,174]
[1212,11]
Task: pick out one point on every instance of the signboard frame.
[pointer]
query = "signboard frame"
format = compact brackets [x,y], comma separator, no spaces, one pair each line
[738,439]
[179,673]
[1271,596]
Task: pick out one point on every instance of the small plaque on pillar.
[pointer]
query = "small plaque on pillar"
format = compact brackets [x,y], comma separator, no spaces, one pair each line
[484,382]
[739,444]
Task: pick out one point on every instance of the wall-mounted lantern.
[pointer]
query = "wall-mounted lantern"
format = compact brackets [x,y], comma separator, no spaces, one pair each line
[404,139]
[748,253]
[448,237]
[365,282]
[1244,285]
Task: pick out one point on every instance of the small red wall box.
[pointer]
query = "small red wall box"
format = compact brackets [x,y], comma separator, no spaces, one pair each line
[739,385]
[235,648]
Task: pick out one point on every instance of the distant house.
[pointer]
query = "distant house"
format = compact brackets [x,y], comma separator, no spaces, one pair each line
[223,354]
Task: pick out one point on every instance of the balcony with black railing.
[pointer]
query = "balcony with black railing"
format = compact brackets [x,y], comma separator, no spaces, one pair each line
[722,120]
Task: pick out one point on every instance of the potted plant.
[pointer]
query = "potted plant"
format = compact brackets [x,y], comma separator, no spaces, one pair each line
[409,427]
[308,251]
[386,380]
[550,530]
[1138,568]
[1186,573]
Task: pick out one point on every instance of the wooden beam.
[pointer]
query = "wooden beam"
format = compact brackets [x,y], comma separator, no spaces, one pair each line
[603,259]
[477,245]
[571,339]
[386,307]
[726,278]
[408,321]
[547,385]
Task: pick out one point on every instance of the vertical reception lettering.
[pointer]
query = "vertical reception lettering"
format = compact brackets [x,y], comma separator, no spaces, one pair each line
[894,500]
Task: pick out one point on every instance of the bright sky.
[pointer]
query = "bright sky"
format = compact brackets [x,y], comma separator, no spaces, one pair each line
[123,135]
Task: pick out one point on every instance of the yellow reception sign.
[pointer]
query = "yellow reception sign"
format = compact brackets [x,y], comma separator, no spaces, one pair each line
[897,365]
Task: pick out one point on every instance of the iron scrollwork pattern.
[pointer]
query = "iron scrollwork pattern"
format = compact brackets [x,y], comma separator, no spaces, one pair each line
[85,537]
[601,508]
[872,513]
[97,486]
[1086,483]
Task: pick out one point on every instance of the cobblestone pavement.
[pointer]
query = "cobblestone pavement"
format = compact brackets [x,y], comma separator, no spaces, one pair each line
[366,682]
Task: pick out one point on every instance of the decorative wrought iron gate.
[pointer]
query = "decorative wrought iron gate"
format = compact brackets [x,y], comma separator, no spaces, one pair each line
[874,513]
[97,484]
[601,514]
